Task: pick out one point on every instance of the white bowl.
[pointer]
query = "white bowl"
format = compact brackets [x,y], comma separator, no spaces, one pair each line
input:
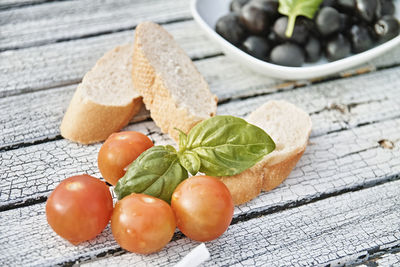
[207,12]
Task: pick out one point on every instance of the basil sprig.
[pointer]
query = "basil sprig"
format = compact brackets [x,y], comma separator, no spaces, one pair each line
[155,172]
[226,145]
[294,8]
[219,146]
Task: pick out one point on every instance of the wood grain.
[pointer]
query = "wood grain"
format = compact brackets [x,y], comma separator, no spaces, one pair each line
[5,4]
[332,163]
[64,20]
[26,119]
[333,231]
[44,67]
[344,190]
[388,259]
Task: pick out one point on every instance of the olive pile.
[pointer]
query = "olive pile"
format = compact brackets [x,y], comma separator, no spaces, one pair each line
[338,29]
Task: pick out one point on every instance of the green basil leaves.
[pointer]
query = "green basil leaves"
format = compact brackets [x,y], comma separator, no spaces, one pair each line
[294,8]
[219,146]
[227,145]
[155,172]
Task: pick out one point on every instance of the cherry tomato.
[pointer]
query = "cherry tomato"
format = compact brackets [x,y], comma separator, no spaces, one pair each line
[120,150]
[79,208]
[142,224]
[203,207]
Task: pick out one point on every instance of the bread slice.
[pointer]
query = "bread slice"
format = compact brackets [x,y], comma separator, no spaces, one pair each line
[105,101]
[290,129]
[173,90]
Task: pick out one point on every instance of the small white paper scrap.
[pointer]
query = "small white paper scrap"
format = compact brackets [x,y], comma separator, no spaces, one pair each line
[195,257]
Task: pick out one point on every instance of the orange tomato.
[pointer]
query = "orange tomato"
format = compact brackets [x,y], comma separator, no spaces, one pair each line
[120,150]
[79,208]
[142,224]
[203,207]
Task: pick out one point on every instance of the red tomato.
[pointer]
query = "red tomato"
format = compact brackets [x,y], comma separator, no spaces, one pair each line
[120,150]
[142,224]
[79,208]
[203,207]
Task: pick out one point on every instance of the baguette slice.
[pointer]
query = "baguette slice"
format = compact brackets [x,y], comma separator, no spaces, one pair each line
[290,129]
[105,101]
[173,90]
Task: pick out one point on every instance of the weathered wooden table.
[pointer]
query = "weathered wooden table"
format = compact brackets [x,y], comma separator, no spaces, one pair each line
[341,205]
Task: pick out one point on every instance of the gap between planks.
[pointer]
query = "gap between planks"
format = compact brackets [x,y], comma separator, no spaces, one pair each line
[381,103]
[29,174]
[348,226]
[43,68]
[13,4]
[28,69]
[26,121]
[68,20]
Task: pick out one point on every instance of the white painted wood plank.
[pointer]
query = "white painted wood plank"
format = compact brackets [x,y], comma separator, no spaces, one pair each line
[25,118]
[335,230]
[389,260]
[16,3]
[63,63]
[331,163]
[64,20]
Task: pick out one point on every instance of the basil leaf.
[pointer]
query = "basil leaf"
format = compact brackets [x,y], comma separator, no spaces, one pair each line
[182,139]
[294,8]
[155,172]
[190,161]
[227,145]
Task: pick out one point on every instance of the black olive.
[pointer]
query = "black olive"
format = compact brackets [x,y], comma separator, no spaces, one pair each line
[387,7]
[273,39]
[257,15]
[236,5]
[345,22]
[360,39]
[300,31]
[337,47]
[331,3]
[378,10]
[387,28]
[312,49]
[230,28]
[287,54]
[367,9]
[347,6]
[257,47]
[309,24]
[328,20]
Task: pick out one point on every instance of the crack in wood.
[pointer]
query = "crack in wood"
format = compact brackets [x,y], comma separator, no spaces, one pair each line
[77,81]
[371,257]
[145,116]
[360,125]
[359,256]
[90,35]
[32,143]
[257,214]
[22,4]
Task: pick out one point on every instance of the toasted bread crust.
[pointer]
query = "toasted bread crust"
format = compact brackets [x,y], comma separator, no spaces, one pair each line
[163,108]
[90,120]
[248,184]
[87,122]
[275,174]
[244,186]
